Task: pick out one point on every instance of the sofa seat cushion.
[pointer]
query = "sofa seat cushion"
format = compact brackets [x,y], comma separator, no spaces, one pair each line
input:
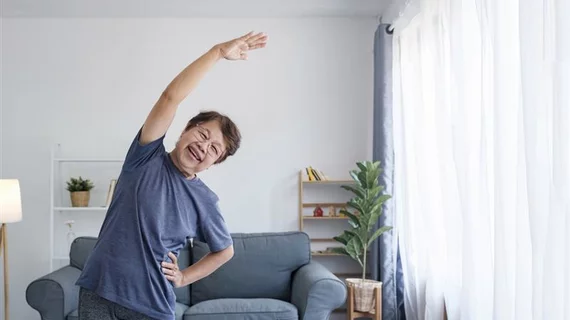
[73,315]
[180,309]
[250,309]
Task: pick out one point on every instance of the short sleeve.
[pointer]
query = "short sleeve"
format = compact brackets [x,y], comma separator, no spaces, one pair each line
[139,154]
[213,229]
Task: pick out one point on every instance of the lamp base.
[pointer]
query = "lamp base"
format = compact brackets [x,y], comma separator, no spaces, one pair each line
[3,250]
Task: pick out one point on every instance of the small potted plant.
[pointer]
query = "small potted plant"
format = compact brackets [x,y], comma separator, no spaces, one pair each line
[356,241]
[79,189]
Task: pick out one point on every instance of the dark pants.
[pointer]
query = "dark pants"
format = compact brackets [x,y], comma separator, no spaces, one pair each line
[93,307]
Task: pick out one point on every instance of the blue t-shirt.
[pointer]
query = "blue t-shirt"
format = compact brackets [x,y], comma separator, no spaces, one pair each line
[155,210]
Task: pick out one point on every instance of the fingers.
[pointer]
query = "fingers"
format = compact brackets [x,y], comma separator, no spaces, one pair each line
[260,37]
[173,257]
[253,39]
[257,40]
[243,56]
[170,272]
[169,265]
[246,36]
[257,46]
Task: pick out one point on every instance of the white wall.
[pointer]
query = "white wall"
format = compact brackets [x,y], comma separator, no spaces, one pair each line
[89,83]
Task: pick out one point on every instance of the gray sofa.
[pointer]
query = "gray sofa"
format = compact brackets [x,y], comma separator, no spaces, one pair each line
[271,276]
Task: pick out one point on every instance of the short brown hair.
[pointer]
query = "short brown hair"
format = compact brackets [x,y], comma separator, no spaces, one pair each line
[230,131]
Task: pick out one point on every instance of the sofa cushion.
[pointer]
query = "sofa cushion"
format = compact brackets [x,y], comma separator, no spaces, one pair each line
[80,250]
[262,267]
[250,309]
[179,309]
[183,293]
[74,315]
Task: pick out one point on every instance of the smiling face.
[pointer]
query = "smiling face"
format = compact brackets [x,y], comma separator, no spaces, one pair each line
[199,147]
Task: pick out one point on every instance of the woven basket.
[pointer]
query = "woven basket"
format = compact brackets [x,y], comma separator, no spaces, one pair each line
[364,300]
[80,198]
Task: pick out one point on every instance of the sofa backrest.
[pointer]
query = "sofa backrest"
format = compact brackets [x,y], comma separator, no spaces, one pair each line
[82,247]
[184,260]
[80,250]
[262,267]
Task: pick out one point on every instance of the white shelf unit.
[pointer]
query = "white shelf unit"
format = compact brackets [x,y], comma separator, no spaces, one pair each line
[87,219]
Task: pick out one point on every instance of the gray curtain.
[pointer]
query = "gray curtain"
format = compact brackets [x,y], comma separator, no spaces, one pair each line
[384,262]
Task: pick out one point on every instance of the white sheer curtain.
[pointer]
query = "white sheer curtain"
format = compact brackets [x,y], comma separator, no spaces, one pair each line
[482,159]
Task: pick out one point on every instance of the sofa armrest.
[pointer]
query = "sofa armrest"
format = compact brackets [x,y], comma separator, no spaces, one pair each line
[55,295]
[316,292]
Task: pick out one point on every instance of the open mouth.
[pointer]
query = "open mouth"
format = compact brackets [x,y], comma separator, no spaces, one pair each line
[194,154]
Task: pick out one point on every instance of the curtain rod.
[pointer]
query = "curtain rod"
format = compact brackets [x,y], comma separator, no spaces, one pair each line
[389,27]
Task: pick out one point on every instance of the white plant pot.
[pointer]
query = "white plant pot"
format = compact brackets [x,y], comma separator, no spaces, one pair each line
[364,298]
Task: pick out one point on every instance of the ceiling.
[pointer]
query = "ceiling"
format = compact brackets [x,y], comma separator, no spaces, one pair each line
[192,8]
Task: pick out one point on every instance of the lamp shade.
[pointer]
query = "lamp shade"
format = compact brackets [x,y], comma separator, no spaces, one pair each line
[10,201]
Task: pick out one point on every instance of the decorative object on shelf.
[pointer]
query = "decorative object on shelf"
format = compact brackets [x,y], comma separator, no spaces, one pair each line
[368,202]
[315,174]
[111,191]
[318,212]
[79,189]
[70,233]
[332,211]
[10,211]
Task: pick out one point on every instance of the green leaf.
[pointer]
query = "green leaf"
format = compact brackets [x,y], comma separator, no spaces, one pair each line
[79,184]
[353,224]
[378,232]
[344,238]
[373,193]
[372,178]
[362,177]
[354,176]
[355,203]
[358,237]
[383,198]
[352,217]
[358,244]
[375,213]
[358,191]
[352,249]
[340,250]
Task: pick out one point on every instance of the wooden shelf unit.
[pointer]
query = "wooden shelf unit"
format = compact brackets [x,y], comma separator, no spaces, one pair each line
[324,204]
[348,307]
[324,218]
[339,182]
[326,254]
[302,205]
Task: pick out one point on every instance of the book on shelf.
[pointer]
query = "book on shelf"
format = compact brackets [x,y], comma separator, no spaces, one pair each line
[111,191]
[315,174]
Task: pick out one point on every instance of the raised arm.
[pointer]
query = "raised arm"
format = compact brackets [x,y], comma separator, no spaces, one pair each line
[160,117]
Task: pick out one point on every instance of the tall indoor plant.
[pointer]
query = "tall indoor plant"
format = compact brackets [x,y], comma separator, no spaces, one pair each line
[367,201]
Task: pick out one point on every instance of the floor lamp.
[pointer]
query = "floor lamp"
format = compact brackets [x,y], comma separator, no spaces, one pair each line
[10,211]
